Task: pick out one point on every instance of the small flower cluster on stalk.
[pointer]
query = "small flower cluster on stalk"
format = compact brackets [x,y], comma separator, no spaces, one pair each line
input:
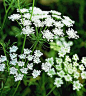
[20,64]
[43,21]
[69,70]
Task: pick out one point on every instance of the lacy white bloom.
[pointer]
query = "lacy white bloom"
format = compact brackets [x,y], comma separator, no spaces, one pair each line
[77,85]
[21,63]
[58,24]
[84,60]
[59,60]
[67,21]
[68,77]
[55,12]
[13,61]
[75,64]
[37,53]
[22,56]
[18,77]
[45,67]
[15,17]
[30,66]
[3,58]
[48,35]
[83,74]
[58,82]
[27,15]
[24,70]
[36,73]
[22,10]
[72,34]
[30,57]
[13,70]
[75,57]
[36,60]
[81,67]
[27,30]
[50,61]
[51,72]
[13,48]
[27,51]
[48,22]
[13,56]
[58,32]
[61,73]
[76,75]
[68,58]
[58,67]
[2,67]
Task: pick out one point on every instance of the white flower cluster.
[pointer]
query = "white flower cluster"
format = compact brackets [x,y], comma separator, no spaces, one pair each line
[61,45]
[20,64]
[66,69]
[39,19]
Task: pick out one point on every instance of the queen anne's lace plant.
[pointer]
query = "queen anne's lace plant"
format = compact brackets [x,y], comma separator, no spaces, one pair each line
[51,26]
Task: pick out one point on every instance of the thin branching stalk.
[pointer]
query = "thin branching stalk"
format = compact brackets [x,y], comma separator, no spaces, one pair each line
[24,44]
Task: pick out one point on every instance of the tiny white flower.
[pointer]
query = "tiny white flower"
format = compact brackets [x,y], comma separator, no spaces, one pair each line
[27,51]
[48,35]
[50,61]
[76,85]
[15,17]
[21,63]
[45,67]
[30,66]
[13,56]
[24,70]
[51,72]
[14,61]
[22,56]
[68,77]
[36,73]
[81,67]
[72,34]
[83,74]
[18,77]
[3,58]
[75,57]
[13,70]
[84,60]
[58,82]
[37,53]
[76,75]
[61,73]
[68,58]
[2,67]
[30,57]
[36,60]
[13,48]
[58,60]
[58,67]
[23,10]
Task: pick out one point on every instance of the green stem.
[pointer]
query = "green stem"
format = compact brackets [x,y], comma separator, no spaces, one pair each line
[6,12]
[32,9]
[23,44]
[16,88]
[51,91]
